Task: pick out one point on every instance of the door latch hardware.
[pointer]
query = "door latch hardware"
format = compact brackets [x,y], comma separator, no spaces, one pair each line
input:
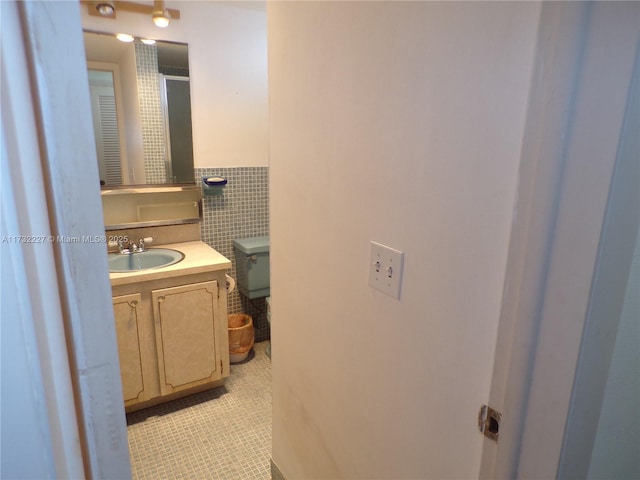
[489,422]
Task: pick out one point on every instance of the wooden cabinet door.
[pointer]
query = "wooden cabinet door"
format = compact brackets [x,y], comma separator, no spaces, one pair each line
[129,319]
[184,320]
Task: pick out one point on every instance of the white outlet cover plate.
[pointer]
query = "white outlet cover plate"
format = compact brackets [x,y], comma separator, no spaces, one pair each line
[385,269]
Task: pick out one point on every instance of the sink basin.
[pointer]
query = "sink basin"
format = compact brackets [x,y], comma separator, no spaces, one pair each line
[152,258]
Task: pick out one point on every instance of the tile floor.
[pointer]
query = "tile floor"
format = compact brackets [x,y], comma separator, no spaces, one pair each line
[224,433]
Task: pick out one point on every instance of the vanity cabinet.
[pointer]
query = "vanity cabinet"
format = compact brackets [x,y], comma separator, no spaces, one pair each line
[172,337]
[184,319]
[130,325]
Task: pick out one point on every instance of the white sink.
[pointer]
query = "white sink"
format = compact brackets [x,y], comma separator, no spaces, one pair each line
[152,258]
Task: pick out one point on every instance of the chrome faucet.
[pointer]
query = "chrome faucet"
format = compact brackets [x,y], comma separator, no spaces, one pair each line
[129,248]
[140,247]
[121,249]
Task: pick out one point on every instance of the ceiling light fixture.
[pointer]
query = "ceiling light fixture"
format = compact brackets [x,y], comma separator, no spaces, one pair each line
[109,8]
[125,37]
[161,18]
[148,41]
[106,9]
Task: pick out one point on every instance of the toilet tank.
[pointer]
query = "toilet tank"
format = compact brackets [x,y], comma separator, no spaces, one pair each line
[252,266]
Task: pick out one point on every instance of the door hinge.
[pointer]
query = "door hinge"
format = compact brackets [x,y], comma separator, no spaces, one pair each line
[489,422]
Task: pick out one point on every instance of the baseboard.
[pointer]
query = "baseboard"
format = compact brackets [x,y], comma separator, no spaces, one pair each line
[276,474]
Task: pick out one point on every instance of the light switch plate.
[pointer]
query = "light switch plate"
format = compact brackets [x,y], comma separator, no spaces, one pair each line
[385,269]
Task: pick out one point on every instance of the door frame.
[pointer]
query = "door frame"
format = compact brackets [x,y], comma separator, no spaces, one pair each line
[56,196]
[114,69]
[580,92]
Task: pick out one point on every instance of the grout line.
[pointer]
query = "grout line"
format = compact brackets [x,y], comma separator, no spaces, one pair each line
[224,433]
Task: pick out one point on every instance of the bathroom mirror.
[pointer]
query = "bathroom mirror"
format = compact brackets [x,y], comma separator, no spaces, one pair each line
[141,110]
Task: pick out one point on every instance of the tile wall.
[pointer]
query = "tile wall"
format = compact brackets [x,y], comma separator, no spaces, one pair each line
[150,112]
[241,211]
[174,71]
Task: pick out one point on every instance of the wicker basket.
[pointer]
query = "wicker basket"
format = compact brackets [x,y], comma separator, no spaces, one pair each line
[241,336]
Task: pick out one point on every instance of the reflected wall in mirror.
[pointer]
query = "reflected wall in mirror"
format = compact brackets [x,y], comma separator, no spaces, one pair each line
[141,108]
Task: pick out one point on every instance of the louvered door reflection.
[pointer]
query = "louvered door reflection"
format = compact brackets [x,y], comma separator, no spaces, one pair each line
[110,148]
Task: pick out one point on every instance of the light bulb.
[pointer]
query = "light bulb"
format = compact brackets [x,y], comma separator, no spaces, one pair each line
[148,41]
[124,37]
[161,18]
[106,9]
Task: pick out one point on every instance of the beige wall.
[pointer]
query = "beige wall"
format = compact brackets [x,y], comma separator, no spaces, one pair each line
[228,62]
[400,123]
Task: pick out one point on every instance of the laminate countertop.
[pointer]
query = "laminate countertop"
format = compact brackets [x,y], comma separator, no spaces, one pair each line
[198,258]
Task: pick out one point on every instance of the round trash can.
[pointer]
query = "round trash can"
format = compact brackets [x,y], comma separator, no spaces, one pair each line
[241,336]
